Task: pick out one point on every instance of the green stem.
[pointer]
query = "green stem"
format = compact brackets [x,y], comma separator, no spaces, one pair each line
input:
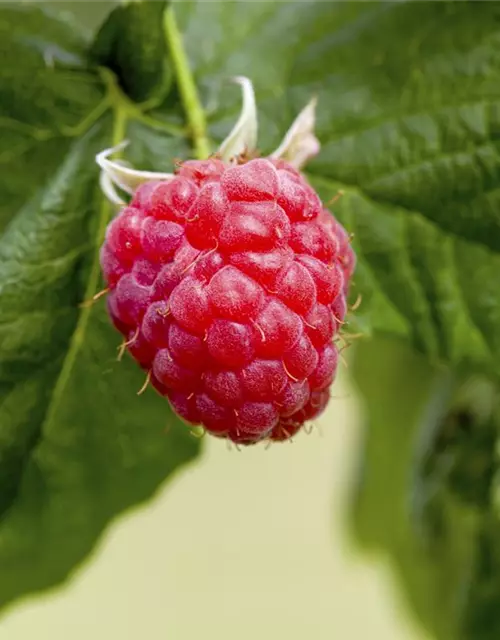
[187,87]
[83,126]
[172,129]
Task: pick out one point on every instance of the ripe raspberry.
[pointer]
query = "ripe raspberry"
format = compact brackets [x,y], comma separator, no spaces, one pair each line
[228,284]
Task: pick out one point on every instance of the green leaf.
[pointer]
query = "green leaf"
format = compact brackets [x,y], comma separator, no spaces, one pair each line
[46,94]
[77,444]
[131,43]
[102,447]
[412,140]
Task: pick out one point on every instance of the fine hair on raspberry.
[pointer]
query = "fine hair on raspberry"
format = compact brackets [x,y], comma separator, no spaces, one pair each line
[228,283]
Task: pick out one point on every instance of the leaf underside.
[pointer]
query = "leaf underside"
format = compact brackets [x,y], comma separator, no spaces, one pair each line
[408,116]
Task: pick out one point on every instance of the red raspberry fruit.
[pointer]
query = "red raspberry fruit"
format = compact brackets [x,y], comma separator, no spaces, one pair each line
[228,284]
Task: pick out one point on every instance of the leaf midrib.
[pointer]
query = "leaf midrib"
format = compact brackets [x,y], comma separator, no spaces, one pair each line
[78,337]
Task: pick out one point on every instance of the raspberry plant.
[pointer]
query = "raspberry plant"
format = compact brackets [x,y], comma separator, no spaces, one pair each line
[407,116]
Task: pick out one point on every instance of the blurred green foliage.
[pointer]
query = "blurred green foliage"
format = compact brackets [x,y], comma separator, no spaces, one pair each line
[426,495]
[89,15]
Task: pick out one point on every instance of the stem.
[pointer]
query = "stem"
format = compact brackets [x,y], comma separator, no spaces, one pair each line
[174,130]
[187,87]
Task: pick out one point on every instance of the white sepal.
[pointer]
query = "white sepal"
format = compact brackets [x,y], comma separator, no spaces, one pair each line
[243,137]
[108,188]
[300,144]
[123,176]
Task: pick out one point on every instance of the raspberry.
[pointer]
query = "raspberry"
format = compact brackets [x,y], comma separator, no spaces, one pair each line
[229,284]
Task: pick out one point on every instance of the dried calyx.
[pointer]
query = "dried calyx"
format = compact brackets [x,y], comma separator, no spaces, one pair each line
[298,146]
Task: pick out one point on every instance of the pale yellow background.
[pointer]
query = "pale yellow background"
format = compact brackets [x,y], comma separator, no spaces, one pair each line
[240,546]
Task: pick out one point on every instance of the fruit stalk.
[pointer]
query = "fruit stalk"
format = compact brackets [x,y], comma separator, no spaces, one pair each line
[187,87]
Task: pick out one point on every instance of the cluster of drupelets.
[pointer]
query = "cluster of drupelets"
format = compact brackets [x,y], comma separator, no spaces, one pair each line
[229,285]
